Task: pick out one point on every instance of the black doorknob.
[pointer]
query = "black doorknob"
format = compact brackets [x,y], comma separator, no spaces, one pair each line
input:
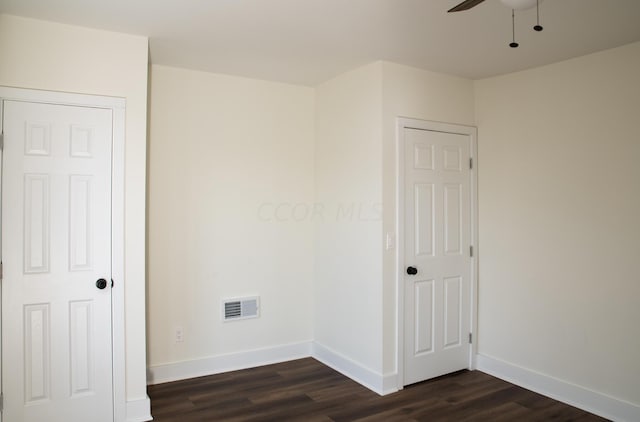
[412,270]
[101,284]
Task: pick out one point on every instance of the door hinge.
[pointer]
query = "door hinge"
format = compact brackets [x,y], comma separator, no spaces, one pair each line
[471,251]
[470,338]
[1,268]
[2,141]
[1,402]
[470,163]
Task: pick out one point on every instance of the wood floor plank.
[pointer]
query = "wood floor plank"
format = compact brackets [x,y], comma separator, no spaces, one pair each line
[306,390]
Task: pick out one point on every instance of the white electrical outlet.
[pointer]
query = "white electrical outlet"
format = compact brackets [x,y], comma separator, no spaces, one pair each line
[179,335]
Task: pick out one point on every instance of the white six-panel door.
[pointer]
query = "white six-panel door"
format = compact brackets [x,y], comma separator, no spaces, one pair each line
[437,239]
[56,244]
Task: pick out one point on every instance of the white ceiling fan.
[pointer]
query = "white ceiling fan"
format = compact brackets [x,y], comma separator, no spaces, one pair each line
[513,5]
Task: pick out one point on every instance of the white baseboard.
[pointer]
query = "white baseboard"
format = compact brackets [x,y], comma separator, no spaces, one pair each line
[574,395]
[225,363]
[139,410]
[381,384]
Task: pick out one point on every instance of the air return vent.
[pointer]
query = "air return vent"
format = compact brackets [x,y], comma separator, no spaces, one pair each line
[241,308]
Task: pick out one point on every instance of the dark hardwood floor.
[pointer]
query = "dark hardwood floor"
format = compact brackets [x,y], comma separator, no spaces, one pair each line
[306,390]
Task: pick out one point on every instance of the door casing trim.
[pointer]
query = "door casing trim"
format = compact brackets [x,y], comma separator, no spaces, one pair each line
[409,123]
[117,107]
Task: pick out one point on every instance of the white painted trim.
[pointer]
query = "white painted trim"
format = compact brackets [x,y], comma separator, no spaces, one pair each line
[475,241]
[400,158]
[117,264]
[139,410]
[117,105]
[381,384]
[566,392]
[61,98]
[1,153]
[374,381]
[224,363]
[472,132]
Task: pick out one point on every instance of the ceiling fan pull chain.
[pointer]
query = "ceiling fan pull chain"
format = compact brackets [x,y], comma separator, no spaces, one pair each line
[538,27]
[513,44]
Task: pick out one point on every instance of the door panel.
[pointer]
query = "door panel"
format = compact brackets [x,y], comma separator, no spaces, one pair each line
[452,311]
[56,237]
[452,219]
[424,318]
[424,219]
[36,222]
[437,239]
[37,353]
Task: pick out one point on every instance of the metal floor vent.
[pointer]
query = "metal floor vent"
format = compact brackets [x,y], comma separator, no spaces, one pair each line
[242,308]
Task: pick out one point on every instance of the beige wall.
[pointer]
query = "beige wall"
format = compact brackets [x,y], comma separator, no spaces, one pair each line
[230,202]
[559,148]
[355,288]
[49,56]
[558,184]
[277,190]
[211,229]
[418,94]
[348,247]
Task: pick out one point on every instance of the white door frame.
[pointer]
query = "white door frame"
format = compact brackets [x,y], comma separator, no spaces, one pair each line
[408,123]
[117,106]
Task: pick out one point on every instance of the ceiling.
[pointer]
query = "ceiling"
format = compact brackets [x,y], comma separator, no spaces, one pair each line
[306,42]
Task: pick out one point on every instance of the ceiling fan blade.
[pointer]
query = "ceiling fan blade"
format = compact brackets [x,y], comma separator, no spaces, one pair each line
[465,5]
